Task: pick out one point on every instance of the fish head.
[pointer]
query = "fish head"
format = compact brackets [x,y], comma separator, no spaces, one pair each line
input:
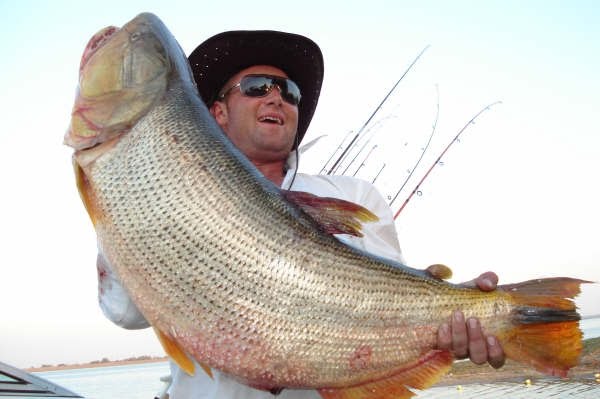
[123,74]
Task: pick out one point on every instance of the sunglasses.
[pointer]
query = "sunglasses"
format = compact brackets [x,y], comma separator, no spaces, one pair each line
[261,85]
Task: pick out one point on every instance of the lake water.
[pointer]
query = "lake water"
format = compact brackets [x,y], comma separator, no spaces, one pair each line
[139,381]
[142,381]
[590,327]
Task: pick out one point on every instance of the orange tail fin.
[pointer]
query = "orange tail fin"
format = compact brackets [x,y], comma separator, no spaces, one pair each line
[546,331]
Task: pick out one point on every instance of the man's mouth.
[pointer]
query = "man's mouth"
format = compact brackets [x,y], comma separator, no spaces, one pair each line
[271,119]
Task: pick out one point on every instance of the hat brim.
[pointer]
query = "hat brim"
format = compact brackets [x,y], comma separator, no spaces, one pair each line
[220,57]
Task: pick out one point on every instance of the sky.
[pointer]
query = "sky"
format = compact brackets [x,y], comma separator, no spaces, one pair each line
[518,194]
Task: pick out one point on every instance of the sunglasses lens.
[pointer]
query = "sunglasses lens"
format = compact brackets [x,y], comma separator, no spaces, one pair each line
[256,86]
[291,93]
[260,86]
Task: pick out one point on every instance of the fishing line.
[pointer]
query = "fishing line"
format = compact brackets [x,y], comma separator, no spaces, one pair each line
[297,162]
[437,115]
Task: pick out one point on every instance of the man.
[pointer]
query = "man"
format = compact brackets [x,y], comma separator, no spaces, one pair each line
[262,88]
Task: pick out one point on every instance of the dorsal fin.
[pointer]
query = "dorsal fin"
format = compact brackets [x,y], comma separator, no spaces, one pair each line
[335,216]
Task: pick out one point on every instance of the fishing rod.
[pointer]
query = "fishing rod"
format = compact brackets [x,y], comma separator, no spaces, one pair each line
[343,155]
[378,173]
[435,121]
[437,161]
[335,152]
[366,143]
[364,160]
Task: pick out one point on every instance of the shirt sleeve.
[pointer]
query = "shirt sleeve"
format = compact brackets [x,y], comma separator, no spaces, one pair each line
[379,237]
[114,301]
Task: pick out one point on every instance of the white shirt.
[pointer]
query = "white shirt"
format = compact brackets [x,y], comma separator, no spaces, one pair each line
[379,238]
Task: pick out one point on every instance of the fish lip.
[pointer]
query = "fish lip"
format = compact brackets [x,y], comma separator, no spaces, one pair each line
[272,116]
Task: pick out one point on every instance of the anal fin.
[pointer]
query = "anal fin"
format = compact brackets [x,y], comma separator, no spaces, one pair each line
[179,356]
[421,374]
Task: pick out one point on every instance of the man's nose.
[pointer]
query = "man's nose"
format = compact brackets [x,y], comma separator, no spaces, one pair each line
[274,95]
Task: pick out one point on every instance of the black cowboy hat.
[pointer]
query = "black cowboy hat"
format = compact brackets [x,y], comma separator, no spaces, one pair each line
[217,59]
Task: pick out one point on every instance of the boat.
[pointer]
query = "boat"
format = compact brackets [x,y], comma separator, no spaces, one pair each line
[17,383]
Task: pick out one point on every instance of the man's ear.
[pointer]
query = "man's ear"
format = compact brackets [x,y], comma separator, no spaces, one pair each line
[219,112]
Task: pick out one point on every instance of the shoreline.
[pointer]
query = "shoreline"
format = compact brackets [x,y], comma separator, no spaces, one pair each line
[96,364]
[465,372]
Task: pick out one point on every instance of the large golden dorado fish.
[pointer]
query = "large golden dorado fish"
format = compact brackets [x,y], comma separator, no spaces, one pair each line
[243,277]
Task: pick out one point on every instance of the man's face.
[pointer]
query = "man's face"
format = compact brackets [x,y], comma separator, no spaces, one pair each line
[263,128]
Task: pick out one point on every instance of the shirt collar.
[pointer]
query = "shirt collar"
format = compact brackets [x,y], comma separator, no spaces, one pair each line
[290,165]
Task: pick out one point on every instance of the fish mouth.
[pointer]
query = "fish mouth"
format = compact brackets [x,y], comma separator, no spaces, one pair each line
[122,74]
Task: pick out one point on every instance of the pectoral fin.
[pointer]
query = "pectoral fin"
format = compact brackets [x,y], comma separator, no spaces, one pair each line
[335,216]
[420,375]
[179,356]
[85,192]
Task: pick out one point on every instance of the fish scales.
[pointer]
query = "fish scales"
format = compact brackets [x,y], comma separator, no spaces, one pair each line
[241,279]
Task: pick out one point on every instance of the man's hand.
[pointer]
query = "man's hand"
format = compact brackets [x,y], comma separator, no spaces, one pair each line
[465,338]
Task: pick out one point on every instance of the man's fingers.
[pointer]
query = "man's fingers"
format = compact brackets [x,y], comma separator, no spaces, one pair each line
[478,352]
[467,339]
[487,281]
[459,335]
[444,337]
[495,353]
